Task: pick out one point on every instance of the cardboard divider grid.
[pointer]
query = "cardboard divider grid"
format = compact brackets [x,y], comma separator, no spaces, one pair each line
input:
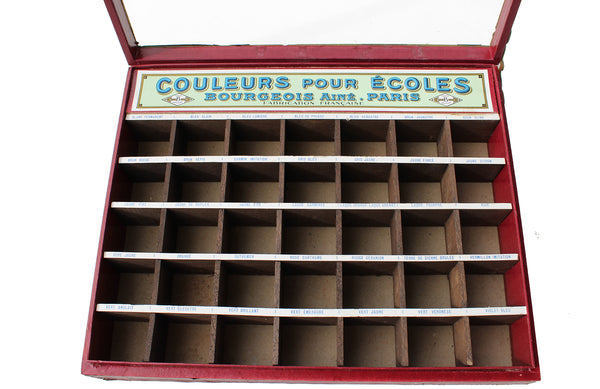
[305,340]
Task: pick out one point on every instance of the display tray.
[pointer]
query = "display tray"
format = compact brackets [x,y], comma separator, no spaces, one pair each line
[246,249]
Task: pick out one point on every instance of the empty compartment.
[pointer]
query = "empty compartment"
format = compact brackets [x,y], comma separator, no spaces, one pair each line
[200,137]
[470,149]
[128,340]
[308,285]
[309,137]
[470,137]
[310,183]
[246,341]
[420,192]
[250,231]
[418,138]
[475,192]
[187,283]
[125,281]
[365,137]
[430,345]
[491,345]
[368,285]
[369,343]
[182,340]
[196,182]
[255,137]
[305,342]
[309,232]
[421,183]
[253,182]
[248,284]
[480,239]
[139,182]
[367,183]
[422,240]
[141,235]
[485,290]
[192,231]
[427,290]
[145,138]
[367,232]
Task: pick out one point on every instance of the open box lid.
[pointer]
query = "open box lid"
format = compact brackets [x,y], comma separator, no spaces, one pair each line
[154,32]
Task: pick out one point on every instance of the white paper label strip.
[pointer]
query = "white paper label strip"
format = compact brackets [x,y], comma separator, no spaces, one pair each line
[302,312]
[312,115]
[320,258]
[314,159]
[325,206]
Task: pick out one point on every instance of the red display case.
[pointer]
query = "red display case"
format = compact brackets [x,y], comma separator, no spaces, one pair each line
[312,211]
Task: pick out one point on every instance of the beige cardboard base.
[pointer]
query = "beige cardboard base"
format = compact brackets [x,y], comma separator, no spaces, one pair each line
[247,344]
[187,343]
[128,340]
[369,345]
[192,289]
[308,291]
[308,345]
[431,346]
[196,239]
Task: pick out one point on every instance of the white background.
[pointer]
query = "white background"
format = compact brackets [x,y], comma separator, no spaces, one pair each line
[61,83]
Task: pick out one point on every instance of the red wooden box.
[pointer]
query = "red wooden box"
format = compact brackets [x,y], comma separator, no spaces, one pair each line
[312,212]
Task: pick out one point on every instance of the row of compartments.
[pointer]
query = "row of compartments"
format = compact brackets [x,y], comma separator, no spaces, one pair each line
[308,137]
[306,284]
[309,231]
[352,342]
[306,182]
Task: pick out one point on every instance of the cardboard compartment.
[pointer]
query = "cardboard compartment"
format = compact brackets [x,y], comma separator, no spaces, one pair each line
[312,285]
[187,283]
[369,343]
[306,342]
[128,283]
[369,285]
[250,231]
[491,345]
[310,183]
[424,239]
[309,137]
[430,344]
[427,290]
[363,183]
[183,340]
[134,231]
[421,183]
[252,182]
[128,341]
[485,290]
[135,287]
[418,138]
[480,239]
[309,232]
[368,232]
[145,138]
[246,341]
[365,138]
[255,137]
[140,183]
[470,137]
[192,232]
[248,284]
[196,182]
[200,137]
